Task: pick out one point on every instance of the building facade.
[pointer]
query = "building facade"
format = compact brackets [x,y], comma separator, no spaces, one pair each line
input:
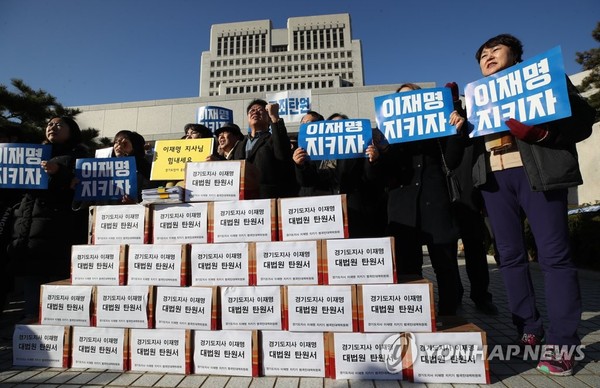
[250,59]
[314,52]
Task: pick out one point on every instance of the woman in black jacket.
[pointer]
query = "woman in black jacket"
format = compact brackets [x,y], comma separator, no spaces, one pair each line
[529,171]
[419,208]
[45,226]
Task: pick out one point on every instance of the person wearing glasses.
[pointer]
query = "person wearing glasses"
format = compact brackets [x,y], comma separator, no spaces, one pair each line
[267,147]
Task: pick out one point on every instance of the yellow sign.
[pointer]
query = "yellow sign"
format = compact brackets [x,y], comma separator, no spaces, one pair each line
[170,157]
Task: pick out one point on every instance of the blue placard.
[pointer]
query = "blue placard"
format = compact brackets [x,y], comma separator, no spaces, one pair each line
[20,165]
[335,139]
[532,92]
[214,117]
[105,178]
[415,115]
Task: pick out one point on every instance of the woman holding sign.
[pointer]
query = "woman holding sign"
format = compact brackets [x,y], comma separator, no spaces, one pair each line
[418,208]
[45,226]
[530,171]
[129,143]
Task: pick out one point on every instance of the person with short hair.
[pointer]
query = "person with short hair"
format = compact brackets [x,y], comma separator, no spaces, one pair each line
[228,137]
[196,131]
[530,171]
[268,148]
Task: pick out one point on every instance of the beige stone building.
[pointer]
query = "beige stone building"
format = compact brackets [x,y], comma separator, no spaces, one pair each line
[250,59]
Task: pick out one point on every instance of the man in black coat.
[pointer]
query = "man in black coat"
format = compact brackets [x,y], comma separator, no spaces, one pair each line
[268,148]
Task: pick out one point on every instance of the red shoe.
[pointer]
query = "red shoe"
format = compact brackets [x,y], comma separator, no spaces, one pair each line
[528,344]
[556,363]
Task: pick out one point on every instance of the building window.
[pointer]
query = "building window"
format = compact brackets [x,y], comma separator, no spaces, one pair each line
[321,40]
[295,40]
[341,35]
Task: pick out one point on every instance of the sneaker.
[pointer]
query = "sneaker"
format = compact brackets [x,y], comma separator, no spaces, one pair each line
[528,343]
[556,363]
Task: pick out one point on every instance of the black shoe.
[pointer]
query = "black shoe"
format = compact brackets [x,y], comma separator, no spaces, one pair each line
[486,307]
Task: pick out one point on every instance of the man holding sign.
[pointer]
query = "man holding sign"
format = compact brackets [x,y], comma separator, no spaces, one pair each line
[530,172]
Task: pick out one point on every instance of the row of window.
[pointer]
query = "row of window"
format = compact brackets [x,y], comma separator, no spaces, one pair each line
[318,39]
[277,87]
[215,84]
[276,59]
[242,44]
[278,69]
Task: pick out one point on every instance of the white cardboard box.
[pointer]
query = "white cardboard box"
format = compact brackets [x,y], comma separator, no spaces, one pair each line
[99,348]
[64,304]
[41,345]
[359,261]
[286,263]
[312,218]
[400,307]
[160,350]
[251,308]
[185,223]
[230,353]
[320,308]
[193,308]
[293,354]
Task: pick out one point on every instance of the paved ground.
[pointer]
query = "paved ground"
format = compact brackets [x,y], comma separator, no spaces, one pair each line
[512,373]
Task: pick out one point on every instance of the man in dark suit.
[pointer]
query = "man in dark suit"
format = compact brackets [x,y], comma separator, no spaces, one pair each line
[268,148]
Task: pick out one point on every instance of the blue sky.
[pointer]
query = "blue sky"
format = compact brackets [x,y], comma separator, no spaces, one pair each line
[107,51]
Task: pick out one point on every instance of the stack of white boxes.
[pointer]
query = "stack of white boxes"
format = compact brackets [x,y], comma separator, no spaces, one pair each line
[241,287]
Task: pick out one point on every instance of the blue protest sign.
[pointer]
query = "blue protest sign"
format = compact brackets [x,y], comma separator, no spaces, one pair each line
[20,166]
[532,92]
[214,117]
[105,178]
[335,139]
[415,115]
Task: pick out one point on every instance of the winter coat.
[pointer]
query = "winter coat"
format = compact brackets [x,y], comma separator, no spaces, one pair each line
[272,157]
[417,191]
[44,224]
[552,163]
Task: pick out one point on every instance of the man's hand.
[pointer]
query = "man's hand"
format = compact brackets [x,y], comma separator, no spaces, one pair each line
[527,133]
[273,111]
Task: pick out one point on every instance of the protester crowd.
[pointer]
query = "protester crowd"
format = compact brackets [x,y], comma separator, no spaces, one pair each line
[396,190]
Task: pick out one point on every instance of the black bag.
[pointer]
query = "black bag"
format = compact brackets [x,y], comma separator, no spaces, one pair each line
[454,190]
